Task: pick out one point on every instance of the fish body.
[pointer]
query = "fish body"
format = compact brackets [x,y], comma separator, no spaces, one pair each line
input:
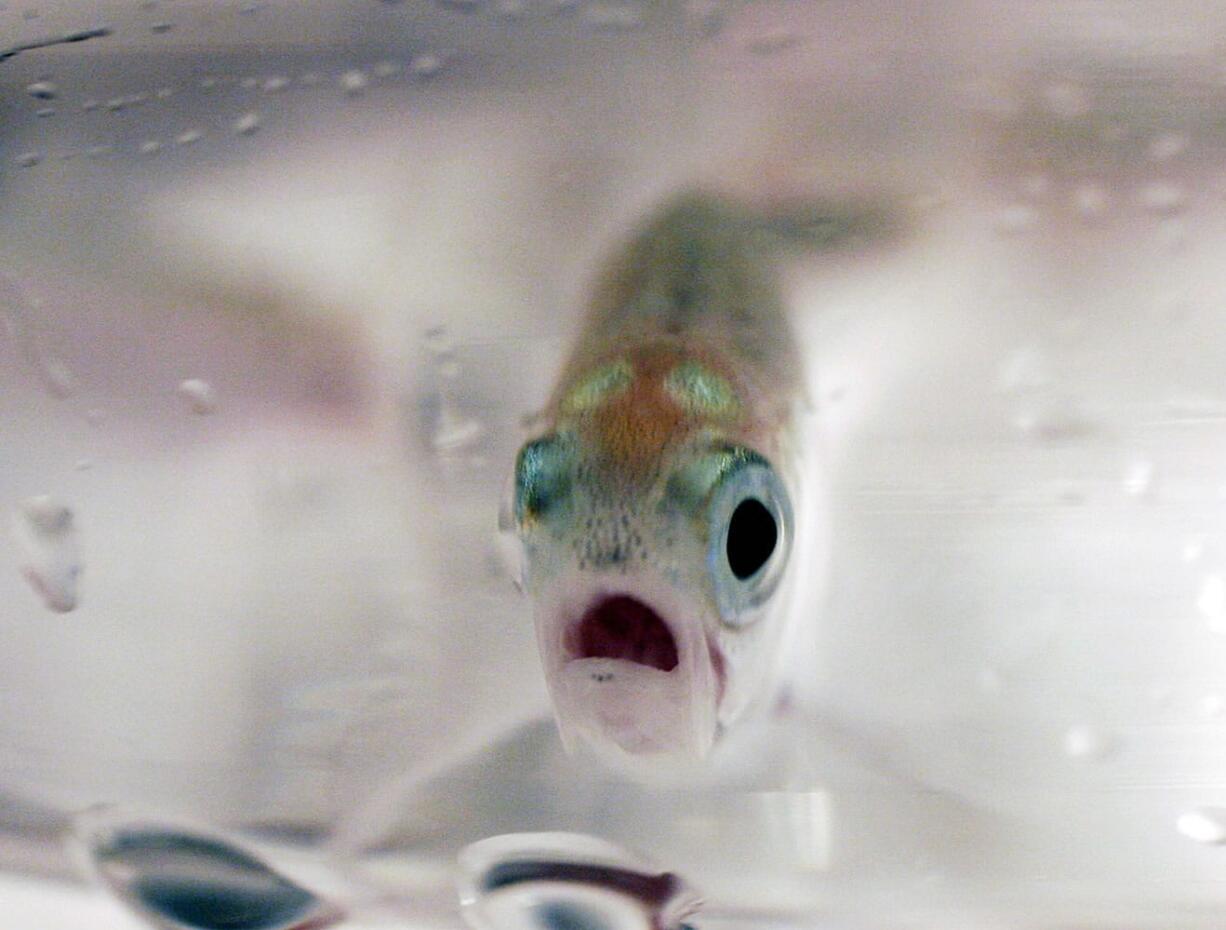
[657,507]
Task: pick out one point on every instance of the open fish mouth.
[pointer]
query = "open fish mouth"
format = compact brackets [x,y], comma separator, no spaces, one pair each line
[623,627]
[630,670]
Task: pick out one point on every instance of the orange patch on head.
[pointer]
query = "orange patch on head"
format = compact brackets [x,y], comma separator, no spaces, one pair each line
[634,426]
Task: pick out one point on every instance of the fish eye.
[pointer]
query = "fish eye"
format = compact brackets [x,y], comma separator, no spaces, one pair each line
[752,534]
[543,474]
[749,518]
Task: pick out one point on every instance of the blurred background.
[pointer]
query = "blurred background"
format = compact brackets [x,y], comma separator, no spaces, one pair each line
[281,281]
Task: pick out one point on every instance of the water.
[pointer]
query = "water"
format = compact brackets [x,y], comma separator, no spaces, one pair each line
[283,283]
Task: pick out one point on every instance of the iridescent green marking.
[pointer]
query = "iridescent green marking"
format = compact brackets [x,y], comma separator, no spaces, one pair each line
[690,486]
[700,390]
[598,386]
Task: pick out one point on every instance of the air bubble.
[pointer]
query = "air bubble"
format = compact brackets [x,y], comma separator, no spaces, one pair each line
[1088,743]
[247,124]
[1162,197]
[426,65]
[354,82]
[44,112]
[43,90]
[150,147]
[1212,705]
[1211,601]
[200,396]
[1090,200]
[276,84]
[46,535]
[1204,825]
[1167,146]
[161,28]
[387,69]
[29,159]
[1138,479]
[188,136]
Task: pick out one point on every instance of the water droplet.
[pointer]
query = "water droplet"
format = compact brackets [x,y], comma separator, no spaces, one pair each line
[43,90]
[1138,479]
[1027,369]
[1162,197]
[276,84]
[990,680]
[46,536]
[1090,200]
[511,9]
[1016,219]
[1204,825]
[1036,186]
[1194,549]
[247,124]
[613,17]
[1053,421]
[150,147]
[1211,601]
[1167,146]
[199,395]
[29,159]
[562,881]
[1088,743]
[188,136]
[354,82]
[772,42]
[426,65]
[1172,234]
[183,879]
[1066,100]
[1161,694]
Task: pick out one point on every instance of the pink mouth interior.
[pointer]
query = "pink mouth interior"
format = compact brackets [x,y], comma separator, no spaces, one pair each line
[622,627]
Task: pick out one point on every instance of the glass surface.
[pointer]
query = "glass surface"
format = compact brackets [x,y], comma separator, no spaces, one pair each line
[282,283]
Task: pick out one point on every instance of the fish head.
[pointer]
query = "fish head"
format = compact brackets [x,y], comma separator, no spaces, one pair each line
[655,586]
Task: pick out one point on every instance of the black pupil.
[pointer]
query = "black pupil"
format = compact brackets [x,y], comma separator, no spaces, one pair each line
[752,535]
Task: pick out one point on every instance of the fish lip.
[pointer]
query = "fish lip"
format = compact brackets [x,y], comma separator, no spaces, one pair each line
[614,624]
[573,651]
